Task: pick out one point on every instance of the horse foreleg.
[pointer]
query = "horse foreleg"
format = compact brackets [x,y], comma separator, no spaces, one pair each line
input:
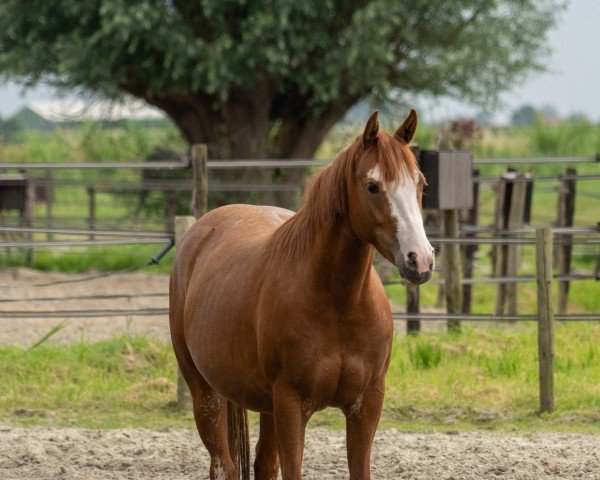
[266,464]
[290,417]
[361,423]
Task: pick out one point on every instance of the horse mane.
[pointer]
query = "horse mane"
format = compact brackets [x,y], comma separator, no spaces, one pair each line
[325,198]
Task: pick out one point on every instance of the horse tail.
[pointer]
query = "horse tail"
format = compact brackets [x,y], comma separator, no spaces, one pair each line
[239,439]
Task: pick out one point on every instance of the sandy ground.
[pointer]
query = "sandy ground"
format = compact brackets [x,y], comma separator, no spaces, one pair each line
[58,453]
[42,453]
[23,284]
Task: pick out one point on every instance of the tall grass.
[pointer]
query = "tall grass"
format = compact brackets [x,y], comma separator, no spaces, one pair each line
[568,138]
[90,143]
[423,353]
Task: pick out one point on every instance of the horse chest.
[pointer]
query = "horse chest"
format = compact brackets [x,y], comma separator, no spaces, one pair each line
[345,369]
[359,368]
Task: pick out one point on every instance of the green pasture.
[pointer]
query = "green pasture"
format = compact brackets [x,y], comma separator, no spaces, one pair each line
[484,378]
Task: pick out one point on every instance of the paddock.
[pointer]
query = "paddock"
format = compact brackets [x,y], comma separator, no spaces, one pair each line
[49,453]
[135,303]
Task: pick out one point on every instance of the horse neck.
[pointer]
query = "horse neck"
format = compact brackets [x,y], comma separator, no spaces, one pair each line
[320,238]
[339,262]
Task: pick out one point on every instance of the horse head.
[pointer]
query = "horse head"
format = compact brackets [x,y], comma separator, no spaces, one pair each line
[384,198]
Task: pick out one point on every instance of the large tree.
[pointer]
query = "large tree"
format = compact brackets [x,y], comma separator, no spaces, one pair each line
[267,78]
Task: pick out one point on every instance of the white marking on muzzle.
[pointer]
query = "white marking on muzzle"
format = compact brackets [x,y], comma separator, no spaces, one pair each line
[410,231]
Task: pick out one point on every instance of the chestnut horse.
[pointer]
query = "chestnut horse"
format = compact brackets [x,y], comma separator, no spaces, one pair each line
[283,313]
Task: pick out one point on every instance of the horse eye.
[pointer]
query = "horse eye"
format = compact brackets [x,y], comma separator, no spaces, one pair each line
[372,188]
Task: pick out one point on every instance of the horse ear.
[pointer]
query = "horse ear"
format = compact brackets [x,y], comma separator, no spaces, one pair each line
[406,131]
[371,130]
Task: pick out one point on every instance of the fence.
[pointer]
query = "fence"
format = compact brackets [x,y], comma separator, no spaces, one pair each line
[507,234]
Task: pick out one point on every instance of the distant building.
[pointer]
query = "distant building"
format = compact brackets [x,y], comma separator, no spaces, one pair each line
[48,114]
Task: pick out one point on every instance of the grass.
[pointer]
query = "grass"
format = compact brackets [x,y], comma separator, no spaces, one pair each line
[484,378]
[423,354]
[84,259]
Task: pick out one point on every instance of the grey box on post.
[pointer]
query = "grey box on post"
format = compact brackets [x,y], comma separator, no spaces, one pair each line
[449,179]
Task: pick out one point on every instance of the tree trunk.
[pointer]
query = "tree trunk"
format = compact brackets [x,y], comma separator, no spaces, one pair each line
[242,127]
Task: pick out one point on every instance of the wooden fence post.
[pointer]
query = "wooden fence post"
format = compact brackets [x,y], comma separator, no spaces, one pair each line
[49,191]
[170,213]
[92,211]
[412,306]
[199,154]
[27,215]
[516,216]
[498,250]
[543,239]
[184,398]
[472,217]
[566,211]
[597,267]
[452,268]
[509,215]
[199,180]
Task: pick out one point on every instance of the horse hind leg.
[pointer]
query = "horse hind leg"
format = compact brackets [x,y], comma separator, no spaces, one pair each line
[210,415]
[266,464]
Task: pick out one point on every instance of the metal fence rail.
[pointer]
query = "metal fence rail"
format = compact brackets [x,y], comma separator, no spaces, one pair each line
[530,160]
[83,313]
[396,315]
[103,233]
[81,243]
[268,163]
[473,317]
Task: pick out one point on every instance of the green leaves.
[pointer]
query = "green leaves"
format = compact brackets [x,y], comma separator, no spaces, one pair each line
[330,48]
[308,56]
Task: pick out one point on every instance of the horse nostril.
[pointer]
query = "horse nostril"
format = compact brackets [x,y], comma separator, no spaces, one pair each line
[411,261]
[430,267]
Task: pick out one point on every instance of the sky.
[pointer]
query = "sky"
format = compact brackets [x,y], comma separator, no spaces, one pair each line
[571,84]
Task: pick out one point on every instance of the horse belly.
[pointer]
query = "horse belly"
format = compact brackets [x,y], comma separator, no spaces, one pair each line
[220,328]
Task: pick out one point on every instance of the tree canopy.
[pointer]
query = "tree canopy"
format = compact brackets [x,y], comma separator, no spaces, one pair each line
[270,78]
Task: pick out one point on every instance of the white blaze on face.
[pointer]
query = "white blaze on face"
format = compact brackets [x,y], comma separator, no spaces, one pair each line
[405,209]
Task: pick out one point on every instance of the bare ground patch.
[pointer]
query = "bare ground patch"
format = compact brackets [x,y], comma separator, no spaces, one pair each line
[64,453]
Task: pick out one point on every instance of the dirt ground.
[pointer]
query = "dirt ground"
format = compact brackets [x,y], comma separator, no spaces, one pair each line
[60,453]
[42,453]
[23,284]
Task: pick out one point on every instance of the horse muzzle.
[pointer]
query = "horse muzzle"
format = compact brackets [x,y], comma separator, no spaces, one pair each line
[414,278]
[410,272]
